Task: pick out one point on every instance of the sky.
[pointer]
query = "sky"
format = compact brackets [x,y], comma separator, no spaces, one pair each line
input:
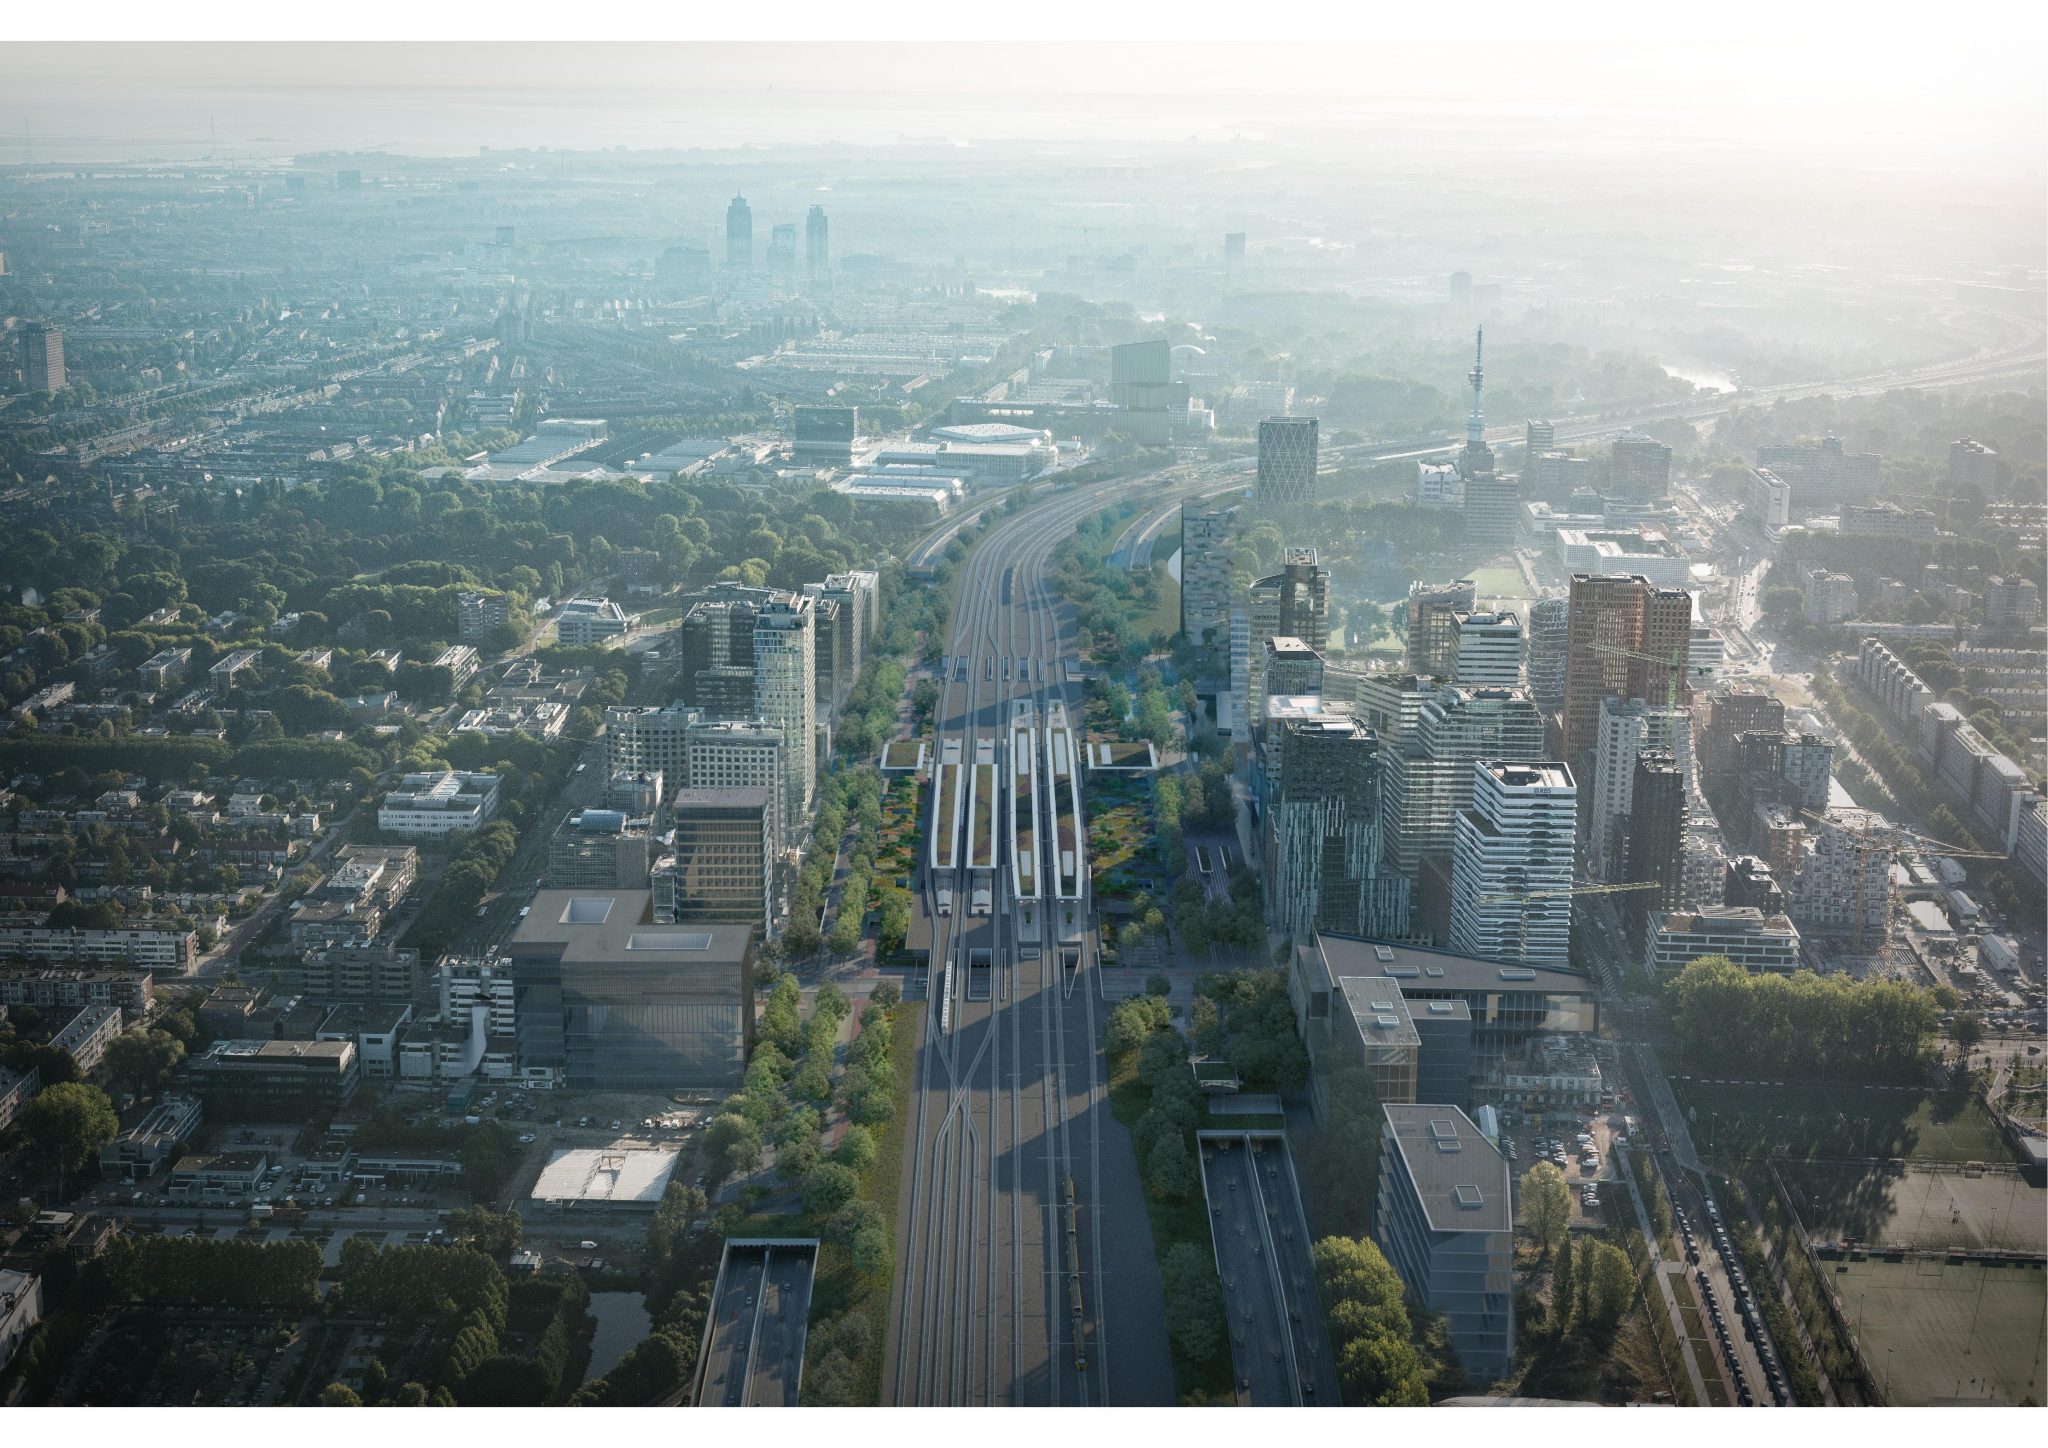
[1955,87]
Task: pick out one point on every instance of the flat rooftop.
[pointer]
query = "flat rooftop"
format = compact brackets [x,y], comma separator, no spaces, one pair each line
[1419,967]
[606,1176]
[616,925]
[1460,1176]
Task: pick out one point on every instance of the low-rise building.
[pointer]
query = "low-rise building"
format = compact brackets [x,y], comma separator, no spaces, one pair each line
[171,951]
[228,1175]
[131,990]
[16,1090]
[583,622]
[148,1146]
[88,1034]
[21,1308]
[426,806]
[267,1079]
[1753,940]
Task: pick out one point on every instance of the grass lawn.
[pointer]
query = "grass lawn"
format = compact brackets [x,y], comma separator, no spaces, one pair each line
[1804,1120]
[1499,582]
[1937,1332]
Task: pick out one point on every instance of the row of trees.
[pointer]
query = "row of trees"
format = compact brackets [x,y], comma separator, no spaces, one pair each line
[1801,1025]
[1371,1337]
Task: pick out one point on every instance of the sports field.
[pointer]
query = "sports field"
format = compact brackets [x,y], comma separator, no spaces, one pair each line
[1803,1121]
[1914,1207]
[1947,1332]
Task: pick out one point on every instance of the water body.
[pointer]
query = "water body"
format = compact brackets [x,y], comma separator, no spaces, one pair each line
[622,1323]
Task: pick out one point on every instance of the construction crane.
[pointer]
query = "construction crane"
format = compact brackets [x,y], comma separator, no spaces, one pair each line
[1675,663]
[1574,891]
[1925,844]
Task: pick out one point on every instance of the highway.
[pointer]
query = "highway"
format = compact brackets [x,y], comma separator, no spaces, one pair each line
[753,1355]
[1010,1090]
[1277,1343]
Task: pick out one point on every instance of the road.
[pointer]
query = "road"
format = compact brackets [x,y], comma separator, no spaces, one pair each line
[1010,1084]
[754,1354]
[1277,1342]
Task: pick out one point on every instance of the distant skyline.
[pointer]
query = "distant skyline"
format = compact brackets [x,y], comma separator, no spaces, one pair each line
[1879,102]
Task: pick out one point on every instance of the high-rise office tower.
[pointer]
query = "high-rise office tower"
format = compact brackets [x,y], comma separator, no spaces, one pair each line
[1429,776]
[1624,639]
[1287,461]
[1292,667]
[1539,437]
[738,754]
[1461,289]
[1547,632]
[649,741]
[1489,650]
[1628,729]
[1511,866]
[834,665]
[1293,603]
[1970,461]
[42,357]
[1233,250]
[723,867]
[1240,675]
[824,434]
[1323,852]
[785,690]
[1656,842]
[817,246]
[1822,476]
[739,235]
[1493,511]
[1207,538]
[1433,625]
[1725,716]
[1641,467]
[1476,461]
[1141,386]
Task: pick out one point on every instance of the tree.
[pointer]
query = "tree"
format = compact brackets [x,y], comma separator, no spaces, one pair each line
[830,1186]
[857,1149]
[1546,1205]
[1370,1334]
[1195,1321]
[732,1146]
[1135,1019]
[1610,1285]
[1170,1167]
[66,1125]
[1563,1285]
[1966,1032]
[1343,1160]
[142,1059]
[338,1395]
[495,1234]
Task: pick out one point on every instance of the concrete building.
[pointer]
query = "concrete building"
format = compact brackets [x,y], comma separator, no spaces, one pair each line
[146,1148]
[1822,477]
[1207,540]
[615,1002]
[362,970]
[824,435]
[480,614]
[164,669]
[427,806]
[1489,650]
[739,235]
[1844,887]
[42,357]
[1625,638]
[744,756]
[2011,601]
[1829,598]
[1287,461]
[610,1180]
[1653,843]
[1642,550]
[45,987]
[17,1088]
[817,248]
[785,692]
[172,952]
[262,1080]
[21,1308]
[1446,1223]
[721,865]
[1548,631]
[1628,728]
[1640,467]
[586,622]
[1970,461]
[1888,520]
[1429,771]
[87,1035]
[1293,603]
[1289,666]
[1493,511]
[1753,940]
[1439,485]
[1770,502]
[1433,625]
[650,741]
[1511,864]
[599,849]
[1369,1028]
[1323,853]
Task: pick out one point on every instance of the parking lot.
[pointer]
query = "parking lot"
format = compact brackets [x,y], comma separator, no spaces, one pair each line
[1564,1138]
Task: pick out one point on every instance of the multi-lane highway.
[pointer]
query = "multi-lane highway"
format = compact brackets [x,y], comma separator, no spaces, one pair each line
[1019,1221]
[1269,1288]
[754,1343]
